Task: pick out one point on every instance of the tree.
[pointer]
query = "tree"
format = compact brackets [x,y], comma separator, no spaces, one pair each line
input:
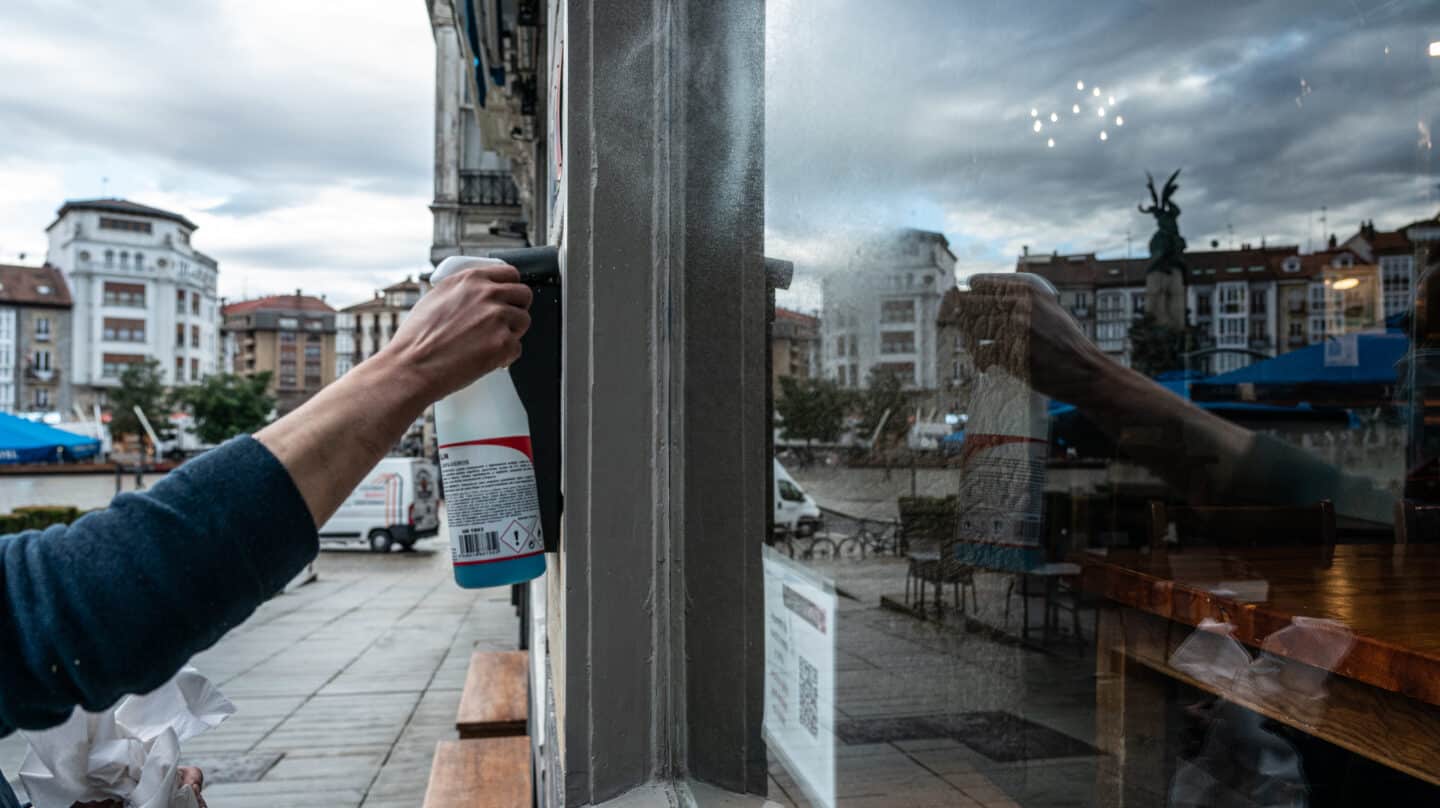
[140,385]
[226,405]
[884,399]
[813,409]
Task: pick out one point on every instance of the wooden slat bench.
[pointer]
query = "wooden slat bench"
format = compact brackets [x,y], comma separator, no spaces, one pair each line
[495,703]
[480,773]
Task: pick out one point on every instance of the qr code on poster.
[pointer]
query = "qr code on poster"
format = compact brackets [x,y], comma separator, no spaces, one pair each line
[809,694]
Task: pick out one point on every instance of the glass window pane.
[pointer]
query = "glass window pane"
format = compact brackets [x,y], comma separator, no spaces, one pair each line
[1132,504]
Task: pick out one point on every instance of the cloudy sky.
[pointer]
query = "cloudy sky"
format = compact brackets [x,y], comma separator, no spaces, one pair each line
[300,139]
[299,136]
[919,114]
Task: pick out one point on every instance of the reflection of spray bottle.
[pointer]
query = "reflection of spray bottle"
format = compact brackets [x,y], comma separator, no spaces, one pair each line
[1002,465]
[488,468]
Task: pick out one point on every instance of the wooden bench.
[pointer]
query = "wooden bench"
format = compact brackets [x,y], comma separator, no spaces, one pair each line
[495,703]
[480,773]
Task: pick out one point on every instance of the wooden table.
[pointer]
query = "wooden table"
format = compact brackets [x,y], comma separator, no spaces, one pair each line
[1382,703]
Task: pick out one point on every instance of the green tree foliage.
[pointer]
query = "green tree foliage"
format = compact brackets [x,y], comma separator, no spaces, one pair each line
[812,409]
[226,405]
[140,385]
[883,394]
[1155,349]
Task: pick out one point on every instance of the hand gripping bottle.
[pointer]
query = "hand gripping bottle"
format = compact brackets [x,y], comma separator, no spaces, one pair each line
[489,473]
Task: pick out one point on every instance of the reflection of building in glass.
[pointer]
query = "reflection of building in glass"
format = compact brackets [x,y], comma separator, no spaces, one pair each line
[1250,302]
[881,310]
[794,345]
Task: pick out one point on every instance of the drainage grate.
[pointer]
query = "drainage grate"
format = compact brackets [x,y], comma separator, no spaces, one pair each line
[236,768]
[1003,737]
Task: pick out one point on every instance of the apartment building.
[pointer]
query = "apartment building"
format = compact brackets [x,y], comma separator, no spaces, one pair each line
[881,311]
[34,339]
[140,291]
[290,336]
[794,345]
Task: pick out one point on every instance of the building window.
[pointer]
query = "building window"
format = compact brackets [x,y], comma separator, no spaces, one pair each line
[124,225]
[194,336]
[897,342]
[312,351]
[854,346]
[112,365]
[139,260]
[897,311]
[42,398]
[1232,298]
[287,338]
[179,336]
[118,330]
[289,323]
[1202,304]
[904,371]
[1257,302]
[1297,328]
[179,301]
[42,328]
[41,361]
[130,295]
[109,257]
[179,369]
[194,370]
[195,303]
[314,325]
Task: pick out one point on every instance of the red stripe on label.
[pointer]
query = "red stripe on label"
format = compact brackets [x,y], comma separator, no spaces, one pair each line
[520,443]
[979,443]
[495,560]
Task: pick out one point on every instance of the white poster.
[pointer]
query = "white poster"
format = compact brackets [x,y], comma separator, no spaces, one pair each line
[800,674]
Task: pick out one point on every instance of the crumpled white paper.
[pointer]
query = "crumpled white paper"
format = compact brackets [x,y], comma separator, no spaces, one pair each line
[130,752]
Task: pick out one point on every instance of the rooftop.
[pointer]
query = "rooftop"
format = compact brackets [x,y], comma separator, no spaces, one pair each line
[35,286]
[123,206]
[295,302]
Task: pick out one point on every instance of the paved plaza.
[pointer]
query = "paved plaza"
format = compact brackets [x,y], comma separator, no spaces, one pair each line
[343,686]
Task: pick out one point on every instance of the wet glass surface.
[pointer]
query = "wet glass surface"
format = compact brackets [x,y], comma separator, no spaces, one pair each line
[1108,380]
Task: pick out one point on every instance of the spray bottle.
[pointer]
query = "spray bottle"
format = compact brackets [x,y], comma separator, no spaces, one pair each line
[1002,467]
[488,468]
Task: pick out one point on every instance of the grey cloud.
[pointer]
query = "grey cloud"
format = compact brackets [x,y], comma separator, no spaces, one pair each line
[934,112]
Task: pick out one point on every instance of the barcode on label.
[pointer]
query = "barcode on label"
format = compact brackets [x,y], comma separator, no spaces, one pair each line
[479,542]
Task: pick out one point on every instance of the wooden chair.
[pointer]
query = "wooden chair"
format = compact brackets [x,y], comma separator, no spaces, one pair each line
[1242,525]
[1416,523]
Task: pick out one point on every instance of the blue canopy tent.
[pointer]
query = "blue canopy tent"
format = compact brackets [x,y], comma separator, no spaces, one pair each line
[1355,370]
[1070,429]
[23,441]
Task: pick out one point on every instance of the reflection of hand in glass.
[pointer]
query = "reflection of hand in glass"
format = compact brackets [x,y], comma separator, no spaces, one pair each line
[1007,320]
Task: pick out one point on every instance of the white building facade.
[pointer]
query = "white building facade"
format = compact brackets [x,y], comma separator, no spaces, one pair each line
[881,312]
[344,343]
[140,291]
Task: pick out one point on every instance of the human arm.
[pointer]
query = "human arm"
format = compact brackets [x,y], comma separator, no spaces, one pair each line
[118,601]
[333,440]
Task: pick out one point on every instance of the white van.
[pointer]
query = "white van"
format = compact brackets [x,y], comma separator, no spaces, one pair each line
[398,503]
[795,512]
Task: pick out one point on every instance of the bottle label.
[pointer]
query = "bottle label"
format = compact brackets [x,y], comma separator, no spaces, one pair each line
[490,500]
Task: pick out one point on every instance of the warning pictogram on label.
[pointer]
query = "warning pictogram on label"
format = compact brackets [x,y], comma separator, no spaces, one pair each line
[490,492]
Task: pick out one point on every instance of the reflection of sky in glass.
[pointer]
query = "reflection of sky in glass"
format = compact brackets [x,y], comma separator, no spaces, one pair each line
[1272,111]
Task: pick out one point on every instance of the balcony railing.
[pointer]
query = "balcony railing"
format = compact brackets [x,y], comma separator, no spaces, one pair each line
[42,375]
[488,188]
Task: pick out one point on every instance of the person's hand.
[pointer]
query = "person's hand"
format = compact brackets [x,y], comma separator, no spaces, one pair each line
[467,326]
[1010,321]
[185,776]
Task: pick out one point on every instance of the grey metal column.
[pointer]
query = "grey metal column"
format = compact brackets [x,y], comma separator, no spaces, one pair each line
[658,651]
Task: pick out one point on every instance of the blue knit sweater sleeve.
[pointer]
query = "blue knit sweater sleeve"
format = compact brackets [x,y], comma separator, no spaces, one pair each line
[118,601]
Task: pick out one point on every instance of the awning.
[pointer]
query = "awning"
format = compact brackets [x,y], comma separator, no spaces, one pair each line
[23,441]
[1350,370]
